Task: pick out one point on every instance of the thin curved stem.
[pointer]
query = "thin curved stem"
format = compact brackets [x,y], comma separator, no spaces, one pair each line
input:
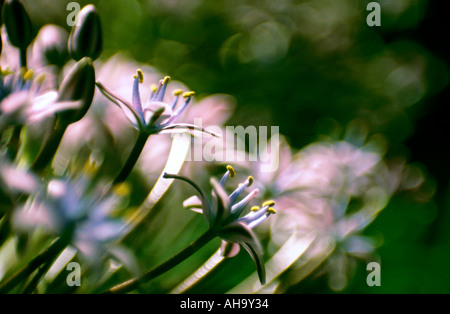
[132,284]
[132,158]
[23,57]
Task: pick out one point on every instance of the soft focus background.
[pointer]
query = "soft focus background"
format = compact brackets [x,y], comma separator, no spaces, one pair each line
[316,70]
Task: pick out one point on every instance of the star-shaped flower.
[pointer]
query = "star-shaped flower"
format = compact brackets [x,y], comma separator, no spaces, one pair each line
[153,116]
[223,214]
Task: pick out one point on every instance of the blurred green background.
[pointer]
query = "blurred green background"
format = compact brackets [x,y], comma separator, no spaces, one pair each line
[312,67]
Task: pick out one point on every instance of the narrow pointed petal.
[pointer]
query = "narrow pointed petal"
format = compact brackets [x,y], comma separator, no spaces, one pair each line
[35,115]
[193,203]
[126,107]
[238,232]
[185,128]
[259,262]
[222,207]
[206,206]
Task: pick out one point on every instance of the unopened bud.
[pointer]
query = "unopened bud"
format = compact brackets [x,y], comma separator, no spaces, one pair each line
[86,36]
[17,23]
[78,85]
[51,42]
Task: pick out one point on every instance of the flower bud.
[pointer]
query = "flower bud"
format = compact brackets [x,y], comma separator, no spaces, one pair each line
[78,85]
[17,23]
[51,45]
[86,36]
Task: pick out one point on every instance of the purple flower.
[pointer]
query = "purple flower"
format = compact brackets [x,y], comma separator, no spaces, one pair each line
[153,116]
[223,214]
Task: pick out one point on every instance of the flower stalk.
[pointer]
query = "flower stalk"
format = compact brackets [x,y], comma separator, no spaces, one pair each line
[132,284]
[132,158]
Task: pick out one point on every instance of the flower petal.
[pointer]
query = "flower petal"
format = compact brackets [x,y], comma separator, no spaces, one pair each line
[185,128]
[259,262]
[206,206]
[238,232]
[127,109]
[221,201]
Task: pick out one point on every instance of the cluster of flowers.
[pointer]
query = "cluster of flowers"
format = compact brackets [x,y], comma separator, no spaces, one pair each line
[74,209]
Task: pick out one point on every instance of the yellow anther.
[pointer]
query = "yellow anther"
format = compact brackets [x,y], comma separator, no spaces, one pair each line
[255,208]
[188,94]
[177,92]
[40,78]
[139,74]
[250,180]
[90,168]
[231,171]
[268,203]
[271,210]
[22,71]
[122,189]
[166,80]
[5,72]
[28,75]
[154,88]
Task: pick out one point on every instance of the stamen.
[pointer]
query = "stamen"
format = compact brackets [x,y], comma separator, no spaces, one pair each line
[28,75]
[250,180]
[268,203]
[154,88]
[139,75]
[22,71]
[40,78]
[271,210]
[122,189]
[90,168]
[231,171]
[238,208]
[5,72]
[177,92]
[166,80]
[188,94]
[255,208]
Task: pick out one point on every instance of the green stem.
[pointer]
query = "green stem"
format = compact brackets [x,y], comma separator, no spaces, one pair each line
[48,255]
[47,153]
[132,158]
[14,142]
[23,57]
[132,284]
